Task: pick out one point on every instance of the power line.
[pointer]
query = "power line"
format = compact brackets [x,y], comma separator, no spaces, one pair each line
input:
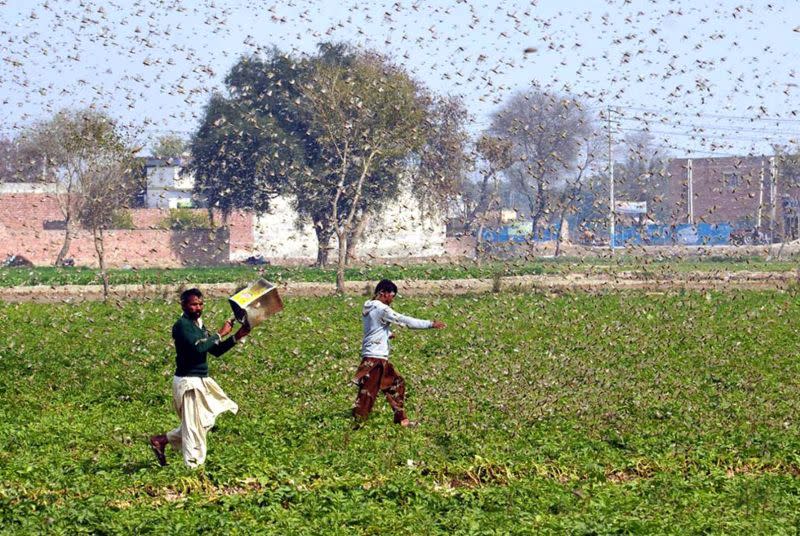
[702,137]
[718,127]
[714,116]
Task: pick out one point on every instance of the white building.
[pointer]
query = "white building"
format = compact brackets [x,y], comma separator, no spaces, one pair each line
[167,187]
[28,188]
[401,231]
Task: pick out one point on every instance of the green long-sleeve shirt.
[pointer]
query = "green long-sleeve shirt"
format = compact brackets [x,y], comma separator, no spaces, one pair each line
[192,344]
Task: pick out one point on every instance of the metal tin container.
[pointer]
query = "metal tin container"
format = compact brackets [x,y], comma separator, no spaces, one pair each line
[256,302]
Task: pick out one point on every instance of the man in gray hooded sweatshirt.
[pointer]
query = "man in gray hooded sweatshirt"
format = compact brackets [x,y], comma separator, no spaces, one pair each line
[375,373]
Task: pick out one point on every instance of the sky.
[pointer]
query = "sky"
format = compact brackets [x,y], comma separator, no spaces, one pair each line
[704,78]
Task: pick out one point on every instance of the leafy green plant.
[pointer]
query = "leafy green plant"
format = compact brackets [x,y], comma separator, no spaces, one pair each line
[122,219]
[616,412]
[184,219]
[226,274]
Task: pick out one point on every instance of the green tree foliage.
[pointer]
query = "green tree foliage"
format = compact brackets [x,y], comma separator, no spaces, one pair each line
[183,219]
[274,84]
[169,146]
[241,158]
[366,116]
[257,142]
[335,131]
[122,219]
[20,162]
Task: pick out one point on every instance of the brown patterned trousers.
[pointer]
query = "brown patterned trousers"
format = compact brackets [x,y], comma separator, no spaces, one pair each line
[375,375]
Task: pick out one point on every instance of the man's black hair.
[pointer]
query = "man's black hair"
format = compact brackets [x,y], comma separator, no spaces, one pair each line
[385,286]
[186,294]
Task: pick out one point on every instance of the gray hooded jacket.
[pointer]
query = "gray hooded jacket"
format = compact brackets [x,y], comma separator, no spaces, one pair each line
[376,317]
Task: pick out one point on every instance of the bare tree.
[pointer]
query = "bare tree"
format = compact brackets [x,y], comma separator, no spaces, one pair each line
[642,174]
[64,143]
[439,168]
[92,167]
[496,153]
[545,130]
[590,151]
[106,186]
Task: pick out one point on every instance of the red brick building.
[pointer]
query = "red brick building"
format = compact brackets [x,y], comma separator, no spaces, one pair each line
[746,192]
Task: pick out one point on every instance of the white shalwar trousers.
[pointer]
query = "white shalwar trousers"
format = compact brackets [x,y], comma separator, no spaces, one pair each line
[198,402]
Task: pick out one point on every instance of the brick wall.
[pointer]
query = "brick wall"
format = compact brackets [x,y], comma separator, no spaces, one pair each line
[28,211]
[22,232]
[716,198]
[134,248]
[719,198]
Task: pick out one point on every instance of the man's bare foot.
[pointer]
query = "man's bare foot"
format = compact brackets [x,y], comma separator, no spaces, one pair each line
[406,423]
[158,443]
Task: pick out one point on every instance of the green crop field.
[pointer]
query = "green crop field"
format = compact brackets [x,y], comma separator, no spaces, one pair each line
[574,414]
[44,275]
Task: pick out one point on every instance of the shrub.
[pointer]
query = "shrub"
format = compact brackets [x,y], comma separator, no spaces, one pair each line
[122,219]
[183,219]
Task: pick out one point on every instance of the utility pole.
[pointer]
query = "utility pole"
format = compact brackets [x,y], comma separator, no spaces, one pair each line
[760,198]
[611,207]
[773,169]
[690,200]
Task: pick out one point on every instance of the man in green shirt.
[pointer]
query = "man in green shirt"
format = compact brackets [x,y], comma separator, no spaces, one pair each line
[197,398]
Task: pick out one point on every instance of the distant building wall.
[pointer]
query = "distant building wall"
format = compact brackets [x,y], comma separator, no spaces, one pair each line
[27,222]
[27,188]
[403,231]
[725,189]
[161,198]
[277,238]
[28,211]
[134,248]
[167,186]
[728,190]
[31,224]
[400,231]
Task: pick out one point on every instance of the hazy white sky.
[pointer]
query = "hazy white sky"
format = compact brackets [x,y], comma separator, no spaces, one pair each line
[711,77]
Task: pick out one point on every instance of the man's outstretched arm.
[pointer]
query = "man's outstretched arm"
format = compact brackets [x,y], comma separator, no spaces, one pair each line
[390,315]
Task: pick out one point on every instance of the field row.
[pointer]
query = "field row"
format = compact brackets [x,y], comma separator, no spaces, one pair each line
[650,267]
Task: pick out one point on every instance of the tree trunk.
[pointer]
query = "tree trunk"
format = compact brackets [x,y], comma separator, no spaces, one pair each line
[491,200]
[67,240]
[101,259]
[322,254]
[558,236]
[540,204]
[563,204]
[481,205]
[324,234]
[341,235]
[479,244]
[355,237]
